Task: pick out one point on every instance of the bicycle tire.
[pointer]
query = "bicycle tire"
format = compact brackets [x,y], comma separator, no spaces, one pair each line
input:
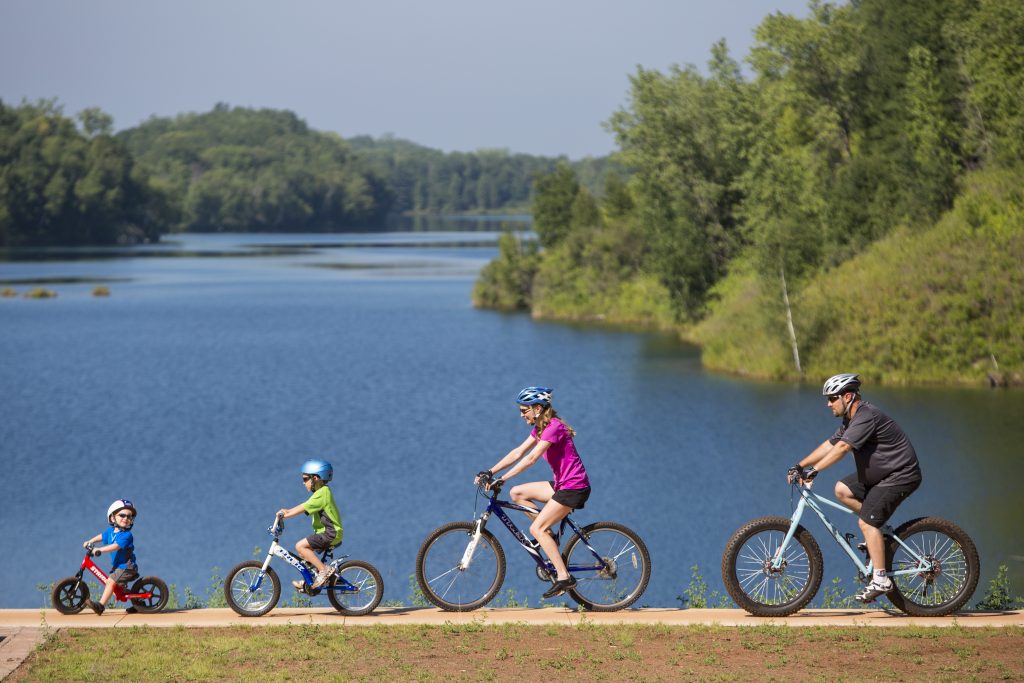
[369,588]
[951,585]
[446,585]
[154,585]
[70,595]
[749,580]
[241,599]
[628,561]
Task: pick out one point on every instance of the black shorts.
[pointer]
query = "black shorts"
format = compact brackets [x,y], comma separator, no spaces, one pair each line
[878,502]
[321,542]
[571,498]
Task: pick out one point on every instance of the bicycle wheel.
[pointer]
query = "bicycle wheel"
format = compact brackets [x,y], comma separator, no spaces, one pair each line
[443,579]
[747,568]
[70,595]
[613,578]
[242,598]
[955,567]
[158,600]
[365,594]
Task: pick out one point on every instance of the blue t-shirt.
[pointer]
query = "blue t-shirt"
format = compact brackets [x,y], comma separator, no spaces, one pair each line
[124,556]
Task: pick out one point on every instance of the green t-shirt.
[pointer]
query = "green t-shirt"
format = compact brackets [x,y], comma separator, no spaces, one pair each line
[326,518]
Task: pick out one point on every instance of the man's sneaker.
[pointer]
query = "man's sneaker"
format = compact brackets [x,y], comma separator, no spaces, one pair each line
[96,607]
[559,587]
[322,577]
[875,589]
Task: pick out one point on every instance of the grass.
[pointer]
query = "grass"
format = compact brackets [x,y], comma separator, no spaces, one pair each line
[479,651]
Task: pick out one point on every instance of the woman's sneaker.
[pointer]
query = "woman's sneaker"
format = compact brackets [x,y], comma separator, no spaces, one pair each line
[876,589]
[559,587]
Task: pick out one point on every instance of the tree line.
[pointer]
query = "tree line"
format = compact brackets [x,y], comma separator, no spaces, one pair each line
[73,181]
[863,127]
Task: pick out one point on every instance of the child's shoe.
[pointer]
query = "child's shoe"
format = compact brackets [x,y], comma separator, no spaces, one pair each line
[96,607]
[322,577]
[299,585]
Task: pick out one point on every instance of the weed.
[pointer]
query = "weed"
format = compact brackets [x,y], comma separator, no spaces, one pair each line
[509,600]
[417,598]
[215,594]
[997,597]
[696,593]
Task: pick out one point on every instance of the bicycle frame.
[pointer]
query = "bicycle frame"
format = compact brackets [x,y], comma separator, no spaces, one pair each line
[809,499]
[120,593]
[277,550]
[497,507]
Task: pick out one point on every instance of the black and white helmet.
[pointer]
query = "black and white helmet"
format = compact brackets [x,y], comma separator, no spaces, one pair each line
[840,384]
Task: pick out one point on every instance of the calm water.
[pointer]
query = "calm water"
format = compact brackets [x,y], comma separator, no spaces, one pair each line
[220,363]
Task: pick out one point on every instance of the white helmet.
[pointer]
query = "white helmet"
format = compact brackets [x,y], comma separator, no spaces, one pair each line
[117,506]
[840,384]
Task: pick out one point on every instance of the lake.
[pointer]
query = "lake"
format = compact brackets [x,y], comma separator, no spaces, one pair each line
[219,363]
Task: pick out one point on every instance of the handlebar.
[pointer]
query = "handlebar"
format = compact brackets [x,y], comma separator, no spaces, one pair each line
[277,527]
[494,483]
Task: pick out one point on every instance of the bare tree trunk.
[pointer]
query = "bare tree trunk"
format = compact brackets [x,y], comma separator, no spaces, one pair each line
[789,320]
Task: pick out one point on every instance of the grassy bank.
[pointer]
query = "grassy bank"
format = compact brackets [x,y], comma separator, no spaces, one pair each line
[478,652]
[943,304]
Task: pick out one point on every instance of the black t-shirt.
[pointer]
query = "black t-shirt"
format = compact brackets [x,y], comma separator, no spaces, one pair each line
[884,454]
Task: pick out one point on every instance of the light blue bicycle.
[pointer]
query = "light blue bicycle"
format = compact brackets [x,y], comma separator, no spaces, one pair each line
[252,588]
[772,566]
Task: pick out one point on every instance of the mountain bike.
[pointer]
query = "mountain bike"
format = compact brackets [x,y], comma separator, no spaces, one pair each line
[71,595]
[252,588]
[461,565]
[772,566]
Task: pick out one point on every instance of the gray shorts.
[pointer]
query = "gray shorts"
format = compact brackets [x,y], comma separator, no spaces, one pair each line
[123,576]
[321,542]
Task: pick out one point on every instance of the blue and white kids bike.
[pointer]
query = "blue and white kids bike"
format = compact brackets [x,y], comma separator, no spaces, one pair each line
[252,588]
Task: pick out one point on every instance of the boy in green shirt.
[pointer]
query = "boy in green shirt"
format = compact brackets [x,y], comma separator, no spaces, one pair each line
[327,529]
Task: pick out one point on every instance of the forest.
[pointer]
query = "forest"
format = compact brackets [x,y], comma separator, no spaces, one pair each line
[73,181]
[856,202]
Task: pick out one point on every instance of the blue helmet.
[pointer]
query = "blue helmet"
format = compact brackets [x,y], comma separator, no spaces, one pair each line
[320,468]
[532,396]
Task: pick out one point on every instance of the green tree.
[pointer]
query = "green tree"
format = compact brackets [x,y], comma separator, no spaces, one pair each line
[554,195]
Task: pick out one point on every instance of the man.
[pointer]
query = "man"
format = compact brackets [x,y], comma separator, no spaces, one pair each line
[887,469]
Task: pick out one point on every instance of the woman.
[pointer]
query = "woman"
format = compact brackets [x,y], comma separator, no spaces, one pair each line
[552,439]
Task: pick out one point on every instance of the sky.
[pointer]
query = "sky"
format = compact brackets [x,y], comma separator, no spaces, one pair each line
[531,76]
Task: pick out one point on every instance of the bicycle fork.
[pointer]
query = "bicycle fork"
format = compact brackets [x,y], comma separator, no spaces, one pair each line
[474,539]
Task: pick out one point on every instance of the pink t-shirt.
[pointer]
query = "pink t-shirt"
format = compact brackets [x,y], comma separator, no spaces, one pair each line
[562,456]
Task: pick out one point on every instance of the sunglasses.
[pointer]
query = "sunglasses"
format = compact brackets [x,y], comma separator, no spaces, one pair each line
[306,477]
[834,397]
[125,515]
[523,410]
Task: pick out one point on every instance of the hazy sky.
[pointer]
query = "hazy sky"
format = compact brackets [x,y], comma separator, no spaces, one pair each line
[533,76]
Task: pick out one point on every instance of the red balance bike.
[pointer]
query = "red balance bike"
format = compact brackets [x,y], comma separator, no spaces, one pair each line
[71,595]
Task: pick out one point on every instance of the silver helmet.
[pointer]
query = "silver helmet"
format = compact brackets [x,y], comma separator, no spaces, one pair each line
[840,384]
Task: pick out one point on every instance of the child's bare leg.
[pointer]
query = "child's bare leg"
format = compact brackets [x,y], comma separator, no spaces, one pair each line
[309,555]
[108,590]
